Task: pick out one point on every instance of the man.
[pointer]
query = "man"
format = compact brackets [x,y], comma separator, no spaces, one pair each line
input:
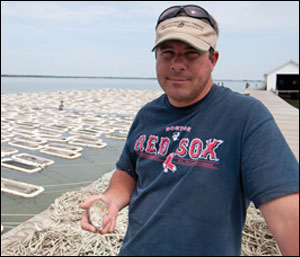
[61,106]
[196,156]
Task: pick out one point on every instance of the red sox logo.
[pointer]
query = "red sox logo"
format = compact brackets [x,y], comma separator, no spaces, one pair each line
[168,165]
[194,153]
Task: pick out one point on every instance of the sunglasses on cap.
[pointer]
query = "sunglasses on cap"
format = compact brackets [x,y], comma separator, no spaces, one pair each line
[193,11]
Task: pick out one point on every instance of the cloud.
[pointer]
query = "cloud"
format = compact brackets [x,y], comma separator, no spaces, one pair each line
[56,11]
[257,17]
[120,35]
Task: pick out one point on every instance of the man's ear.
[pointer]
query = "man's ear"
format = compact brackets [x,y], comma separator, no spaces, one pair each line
[215,58]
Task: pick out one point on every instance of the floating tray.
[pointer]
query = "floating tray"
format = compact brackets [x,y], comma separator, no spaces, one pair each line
[56,128]
[5,127]
[26,145]
[55,139]
[91,121]
[26,134]
[6,151]
[116,137]
[4,139]
[103,130]
[7,133]
[33,159]
[46,132]
[31,139]
[65,147]
[28,124]
[20,188]
[24,129]
[18,165]
[87,138]
[62,153]
[87,132]
[70,125]
[88,143]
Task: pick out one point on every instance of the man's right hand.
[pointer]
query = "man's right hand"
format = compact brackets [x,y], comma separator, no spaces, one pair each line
[109,220]
[117,195]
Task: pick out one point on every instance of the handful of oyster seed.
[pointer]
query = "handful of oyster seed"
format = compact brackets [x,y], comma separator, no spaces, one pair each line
[96,212]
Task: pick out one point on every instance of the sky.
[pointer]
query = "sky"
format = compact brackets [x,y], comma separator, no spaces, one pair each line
[115,38]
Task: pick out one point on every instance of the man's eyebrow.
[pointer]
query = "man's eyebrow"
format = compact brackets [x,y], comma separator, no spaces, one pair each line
[165,46]
[191,48]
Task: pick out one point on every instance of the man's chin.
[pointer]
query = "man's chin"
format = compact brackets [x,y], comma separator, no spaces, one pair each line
[179,96]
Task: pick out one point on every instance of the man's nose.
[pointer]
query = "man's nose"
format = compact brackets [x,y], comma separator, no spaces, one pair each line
[178,64]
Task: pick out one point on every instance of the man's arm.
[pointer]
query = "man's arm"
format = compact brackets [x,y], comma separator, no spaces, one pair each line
[282,217]
[118,195]
[120,188]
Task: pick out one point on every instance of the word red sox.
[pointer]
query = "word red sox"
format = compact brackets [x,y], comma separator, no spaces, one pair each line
[188,153]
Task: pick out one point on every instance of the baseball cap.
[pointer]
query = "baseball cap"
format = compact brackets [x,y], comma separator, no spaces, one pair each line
[194,32]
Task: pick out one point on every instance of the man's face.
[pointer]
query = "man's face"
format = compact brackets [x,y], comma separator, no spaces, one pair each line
[183,72]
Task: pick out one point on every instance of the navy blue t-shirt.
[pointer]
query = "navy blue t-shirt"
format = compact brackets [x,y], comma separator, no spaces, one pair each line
[197,168]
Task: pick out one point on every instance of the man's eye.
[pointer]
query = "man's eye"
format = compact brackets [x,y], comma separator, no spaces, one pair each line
[192,54]
[167,53]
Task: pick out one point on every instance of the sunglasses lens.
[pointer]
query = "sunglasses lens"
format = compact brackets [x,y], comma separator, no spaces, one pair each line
[196,12]
[190,10]
[199,13]
[169,13]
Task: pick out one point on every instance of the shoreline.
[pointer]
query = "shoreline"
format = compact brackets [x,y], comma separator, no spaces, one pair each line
[159,90]
[108,77]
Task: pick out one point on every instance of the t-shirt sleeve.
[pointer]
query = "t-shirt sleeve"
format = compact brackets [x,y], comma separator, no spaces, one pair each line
[126,162]
[269,167]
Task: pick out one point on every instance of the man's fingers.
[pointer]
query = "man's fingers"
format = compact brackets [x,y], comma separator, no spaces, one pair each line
[85,223]
[109,220]
[105,224]
[108,224]
[86,204]
[112,225]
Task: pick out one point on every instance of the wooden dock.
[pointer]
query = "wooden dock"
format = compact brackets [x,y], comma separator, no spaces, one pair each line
[286,116]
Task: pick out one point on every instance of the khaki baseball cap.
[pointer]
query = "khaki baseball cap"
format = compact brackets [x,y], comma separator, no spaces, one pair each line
[194,32]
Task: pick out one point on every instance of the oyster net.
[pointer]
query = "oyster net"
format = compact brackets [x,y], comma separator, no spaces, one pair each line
[67,238]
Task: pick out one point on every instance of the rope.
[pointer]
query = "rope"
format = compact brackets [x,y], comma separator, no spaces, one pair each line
[257,239]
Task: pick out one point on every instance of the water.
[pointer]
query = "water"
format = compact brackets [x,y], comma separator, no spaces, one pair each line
[31,85]
[56,179]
